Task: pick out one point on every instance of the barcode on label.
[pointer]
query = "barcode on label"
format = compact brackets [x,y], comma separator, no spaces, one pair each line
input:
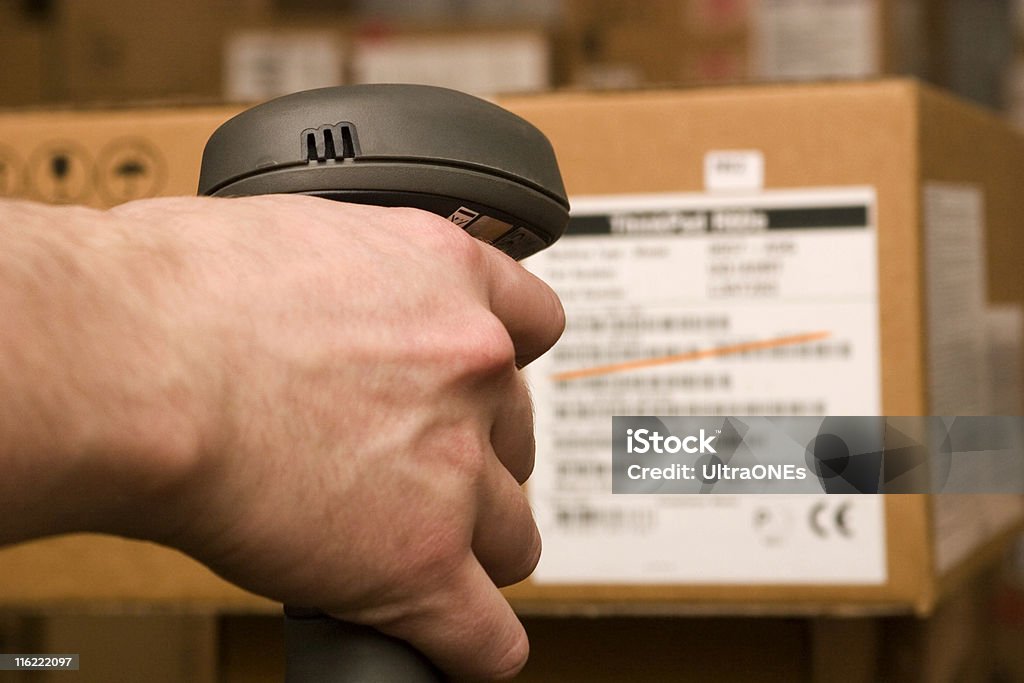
[565,410]
[587,517]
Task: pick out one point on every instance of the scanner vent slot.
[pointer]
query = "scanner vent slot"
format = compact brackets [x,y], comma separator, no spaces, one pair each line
[348,143]
[329,152]
[330,142]
[311,147]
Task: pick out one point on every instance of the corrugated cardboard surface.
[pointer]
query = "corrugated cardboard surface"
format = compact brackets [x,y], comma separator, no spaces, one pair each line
[696,41]
[608,43]
[888,135]
[810,136]
[115,50]
[104,571]
[161,149]
[167,145]
[961,143]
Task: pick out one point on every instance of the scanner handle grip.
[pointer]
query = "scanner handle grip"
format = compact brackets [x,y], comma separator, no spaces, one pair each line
[321,649]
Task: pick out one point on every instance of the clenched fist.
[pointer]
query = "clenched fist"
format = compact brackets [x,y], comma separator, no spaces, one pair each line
[320,401]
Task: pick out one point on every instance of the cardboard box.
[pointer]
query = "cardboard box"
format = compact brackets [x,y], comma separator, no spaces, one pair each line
[121,50]
[440,13]
[296,52]
[104,157]
[715,41]
[922,164]
[263,62]
[108,157]
[615,45]
[109,51]
[482,62]
[24,41]
[932,176]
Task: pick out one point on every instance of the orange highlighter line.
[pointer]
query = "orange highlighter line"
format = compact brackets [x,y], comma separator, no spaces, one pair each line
[692,355]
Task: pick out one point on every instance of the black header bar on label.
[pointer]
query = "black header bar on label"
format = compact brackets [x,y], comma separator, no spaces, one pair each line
[719,221]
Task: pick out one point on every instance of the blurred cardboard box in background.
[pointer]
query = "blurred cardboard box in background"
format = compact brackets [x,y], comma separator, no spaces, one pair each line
[26,55]
[613,44]
[117,50]
[935,179]
[202,50]
[927,170]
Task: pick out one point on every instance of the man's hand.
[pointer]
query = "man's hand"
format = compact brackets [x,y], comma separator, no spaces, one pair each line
[320,401]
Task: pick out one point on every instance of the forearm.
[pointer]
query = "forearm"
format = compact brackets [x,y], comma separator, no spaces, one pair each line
[94,416]
[317,400]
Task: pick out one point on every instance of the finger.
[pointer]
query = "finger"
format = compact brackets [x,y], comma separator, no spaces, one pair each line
[512,433]
[466,627]
[529,309]
[505,538]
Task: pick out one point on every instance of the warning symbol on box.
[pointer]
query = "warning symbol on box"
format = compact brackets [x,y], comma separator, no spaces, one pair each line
[129,169]
[58,172]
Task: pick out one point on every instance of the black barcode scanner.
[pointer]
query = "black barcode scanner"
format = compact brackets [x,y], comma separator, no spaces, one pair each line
[470,161]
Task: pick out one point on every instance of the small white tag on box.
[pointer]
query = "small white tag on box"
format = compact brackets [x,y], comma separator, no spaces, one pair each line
[733,170]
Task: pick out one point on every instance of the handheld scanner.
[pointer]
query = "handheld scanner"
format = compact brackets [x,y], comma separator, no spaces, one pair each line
[470,161]
[478,165]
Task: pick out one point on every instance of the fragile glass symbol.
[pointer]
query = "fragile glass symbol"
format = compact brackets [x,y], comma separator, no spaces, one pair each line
[60,169]
[60,165]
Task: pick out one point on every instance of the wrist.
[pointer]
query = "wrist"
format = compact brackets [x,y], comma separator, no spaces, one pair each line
[102,426]
[158,433]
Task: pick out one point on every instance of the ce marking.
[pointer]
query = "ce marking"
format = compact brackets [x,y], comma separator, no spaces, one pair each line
[820,522]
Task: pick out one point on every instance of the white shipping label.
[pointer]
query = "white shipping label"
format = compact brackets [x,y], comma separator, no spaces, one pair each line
[973,357]
[954,251]
[734,170]
[696,304]
[259,65]
[513,62]
[807,39]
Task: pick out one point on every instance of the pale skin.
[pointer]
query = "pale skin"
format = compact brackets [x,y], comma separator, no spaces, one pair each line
[320,401]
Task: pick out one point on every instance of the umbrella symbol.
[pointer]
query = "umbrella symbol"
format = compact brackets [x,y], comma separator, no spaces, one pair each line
[130,171]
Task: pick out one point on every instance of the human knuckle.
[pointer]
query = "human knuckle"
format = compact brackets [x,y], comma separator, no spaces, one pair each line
[556,315]
[411,216]
[457,246]
[487,349]
[550,314]
[522,469]
[528,561]
[464,251]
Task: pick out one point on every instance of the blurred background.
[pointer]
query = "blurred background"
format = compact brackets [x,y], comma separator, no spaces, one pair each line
[72,51]
[89,54]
